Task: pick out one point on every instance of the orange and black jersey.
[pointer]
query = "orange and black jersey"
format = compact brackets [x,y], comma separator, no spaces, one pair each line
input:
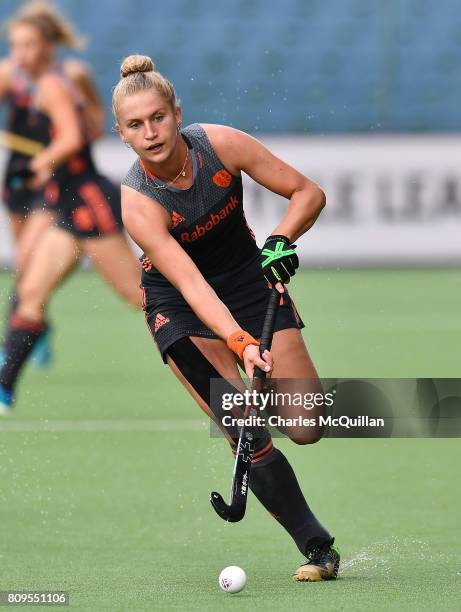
[25,119]
[207,219]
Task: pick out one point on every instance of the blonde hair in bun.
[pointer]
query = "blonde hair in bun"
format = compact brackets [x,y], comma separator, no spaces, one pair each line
[136,63]
[138,73]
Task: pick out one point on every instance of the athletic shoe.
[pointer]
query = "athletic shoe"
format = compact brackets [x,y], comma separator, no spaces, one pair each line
[322,563]
[42,356]
[6,401]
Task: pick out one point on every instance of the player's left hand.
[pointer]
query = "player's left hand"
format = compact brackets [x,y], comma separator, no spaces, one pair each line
[278,260]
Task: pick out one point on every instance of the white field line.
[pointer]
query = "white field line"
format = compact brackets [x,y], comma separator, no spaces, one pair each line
[101,425]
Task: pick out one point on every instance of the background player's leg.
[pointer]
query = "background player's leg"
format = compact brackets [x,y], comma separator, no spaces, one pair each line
[113,257]
[17,224]
[29,231]
[53,260]
[272,480]
[56,255]
[27,228]
[34,228]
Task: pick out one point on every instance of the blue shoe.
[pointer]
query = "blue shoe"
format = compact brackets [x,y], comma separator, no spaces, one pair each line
[6,401]
[42,355]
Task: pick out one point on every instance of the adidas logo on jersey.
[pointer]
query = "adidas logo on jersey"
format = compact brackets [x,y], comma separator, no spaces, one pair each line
[146,263]
[159,321]
[176,219]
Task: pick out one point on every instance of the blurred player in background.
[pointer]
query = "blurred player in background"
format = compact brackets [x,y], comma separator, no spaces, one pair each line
[205,281]
[81,208]
[35,34]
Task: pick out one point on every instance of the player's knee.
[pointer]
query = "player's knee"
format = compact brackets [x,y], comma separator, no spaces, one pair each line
[306,437]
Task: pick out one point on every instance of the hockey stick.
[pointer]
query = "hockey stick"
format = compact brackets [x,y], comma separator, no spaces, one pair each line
[19,171]
[20,144]
[235,511]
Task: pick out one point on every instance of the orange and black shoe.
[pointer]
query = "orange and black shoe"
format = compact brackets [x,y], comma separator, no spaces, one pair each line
[322,563]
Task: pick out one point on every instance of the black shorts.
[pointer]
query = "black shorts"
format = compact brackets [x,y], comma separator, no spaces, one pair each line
[245,293]
[22,201]
[18,198]
[86,205]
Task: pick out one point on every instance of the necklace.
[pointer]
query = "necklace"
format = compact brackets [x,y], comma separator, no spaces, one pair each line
[182,172]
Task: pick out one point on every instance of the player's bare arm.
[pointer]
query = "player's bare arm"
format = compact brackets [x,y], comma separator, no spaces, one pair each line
[93,110]
[240,152]
[54,100]
[5,76]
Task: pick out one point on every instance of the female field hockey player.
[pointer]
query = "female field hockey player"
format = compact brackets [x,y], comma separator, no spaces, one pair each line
[86,210]
[204,287]
[35,33]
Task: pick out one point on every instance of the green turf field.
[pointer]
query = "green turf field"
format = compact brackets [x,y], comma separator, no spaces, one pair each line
[106,466]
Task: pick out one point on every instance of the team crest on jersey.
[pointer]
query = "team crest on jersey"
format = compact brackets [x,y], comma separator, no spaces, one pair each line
[160,320]
[222,178]
[176,219]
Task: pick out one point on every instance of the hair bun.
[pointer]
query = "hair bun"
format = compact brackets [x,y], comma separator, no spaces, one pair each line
[136,63]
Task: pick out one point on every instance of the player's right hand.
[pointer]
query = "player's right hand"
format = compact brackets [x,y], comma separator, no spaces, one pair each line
[252,358]
[42,173]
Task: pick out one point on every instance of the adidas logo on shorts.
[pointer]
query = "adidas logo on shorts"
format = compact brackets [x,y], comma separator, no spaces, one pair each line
[159,321]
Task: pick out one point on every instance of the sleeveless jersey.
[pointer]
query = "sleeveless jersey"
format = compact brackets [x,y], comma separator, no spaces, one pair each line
[26,120]
[207,219]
